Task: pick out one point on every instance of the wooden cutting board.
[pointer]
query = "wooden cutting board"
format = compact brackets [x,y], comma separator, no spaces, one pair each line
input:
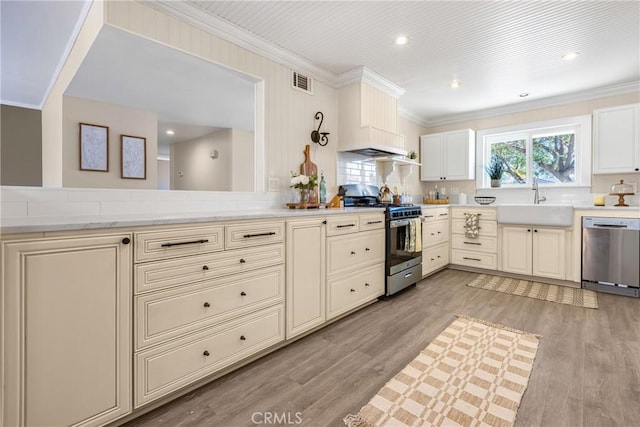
[309,168]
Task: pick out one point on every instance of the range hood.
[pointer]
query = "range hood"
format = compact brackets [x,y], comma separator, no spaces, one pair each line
[368,115]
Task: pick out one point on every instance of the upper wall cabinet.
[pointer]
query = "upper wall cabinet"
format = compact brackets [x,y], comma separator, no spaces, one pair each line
[616,139]
[448,155]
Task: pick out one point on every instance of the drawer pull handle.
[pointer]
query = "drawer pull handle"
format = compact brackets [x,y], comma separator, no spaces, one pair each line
[408,275]
[428,216]
[374,222]
[439,232]
[438,256]
[345,225]
[206,353]
[472,213]
[471,259]
[192,242]
[366,284]
[207,305]
[353,253]
[433,259]
[242,261]
[367,249]
[353,290]
[433,234]
[243,293]
[126,241]
[443,214]
[248,236]
[205,267]
[243,338]
[472,243]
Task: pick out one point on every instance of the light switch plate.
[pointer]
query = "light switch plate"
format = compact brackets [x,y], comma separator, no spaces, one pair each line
[274,184]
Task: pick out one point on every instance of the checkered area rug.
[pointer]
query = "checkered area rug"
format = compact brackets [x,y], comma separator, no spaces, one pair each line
[473,374]
[542,291]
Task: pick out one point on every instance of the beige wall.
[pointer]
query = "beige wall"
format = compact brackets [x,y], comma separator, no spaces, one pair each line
[20,146]
[121,121]
[164,175]
[600,183]
[193,168]
[242,161]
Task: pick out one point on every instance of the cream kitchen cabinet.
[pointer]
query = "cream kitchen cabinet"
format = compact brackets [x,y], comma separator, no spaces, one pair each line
[480,251]
[306,275]
[435,239]
[355,261]
[207,298]
[534,251]
[616,139]
[448,155]
[66,327]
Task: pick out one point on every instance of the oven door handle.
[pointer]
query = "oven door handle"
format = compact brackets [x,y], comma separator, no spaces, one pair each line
[398,223]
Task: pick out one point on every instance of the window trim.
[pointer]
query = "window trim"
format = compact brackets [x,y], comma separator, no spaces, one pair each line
[581,125]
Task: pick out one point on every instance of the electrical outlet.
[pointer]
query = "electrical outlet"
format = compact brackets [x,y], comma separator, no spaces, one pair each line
[274,184]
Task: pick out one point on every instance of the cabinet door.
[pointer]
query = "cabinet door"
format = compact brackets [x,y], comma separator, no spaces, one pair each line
[305,275]
[549,253]
[459,155]
[431,157]
[516,250]
[67,331]
[616,141]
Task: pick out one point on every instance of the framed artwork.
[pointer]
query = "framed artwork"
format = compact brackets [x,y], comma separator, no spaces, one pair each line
[94,147]
[133,150]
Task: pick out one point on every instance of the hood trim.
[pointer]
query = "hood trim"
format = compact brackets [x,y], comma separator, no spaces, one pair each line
[373,150]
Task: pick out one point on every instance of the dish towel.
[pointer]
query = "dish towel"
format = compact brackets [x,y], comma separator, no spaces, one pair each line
[471,225]
[413,239]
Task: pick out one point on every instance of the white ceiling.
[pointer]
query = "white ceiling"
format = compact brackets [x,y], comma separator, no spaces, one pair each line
[496,49]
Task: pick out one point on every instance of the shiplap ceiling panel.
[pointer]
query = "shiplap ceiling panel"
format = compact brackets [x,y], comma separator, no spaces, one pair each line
[496,49]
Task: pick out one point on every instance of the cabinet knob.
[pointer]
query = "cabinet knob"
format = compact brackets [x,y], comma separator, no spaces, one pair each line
[637,169]
[535,231]
[438,256]
[433,259]
[243,338]
[367,249]
[353,290]
[207,305]
[206,353]
[242,261]
[126,241]
[353,253]
[205,267]
[243,293]
[366,284]
[324,222]
[528,230]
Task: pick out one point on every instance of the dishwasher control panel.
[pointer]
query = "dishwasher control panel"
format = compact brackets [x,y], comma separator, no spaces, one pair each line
[625,223]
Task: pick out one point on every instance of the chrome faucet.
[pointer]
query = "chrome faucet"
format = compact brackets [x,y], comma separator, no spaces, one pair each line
[536,196]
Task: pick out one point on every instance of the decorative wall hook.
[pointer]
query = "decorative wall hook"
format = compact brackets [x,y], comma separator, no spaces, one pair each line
[317,136]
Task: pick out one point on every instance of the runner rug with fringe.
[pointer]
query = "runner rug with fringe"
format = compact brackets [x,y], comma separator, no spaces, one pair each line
[474,373]
[542,291]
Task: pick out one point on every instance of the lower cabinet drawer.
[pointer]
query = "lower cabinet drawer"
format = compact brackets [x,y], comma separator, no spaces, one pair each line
[348,291]
[480,244]
[351,251]
[163,369]
[434,233]
[487,228]
[163,315]
[183,271]
[434,258]
[474,259]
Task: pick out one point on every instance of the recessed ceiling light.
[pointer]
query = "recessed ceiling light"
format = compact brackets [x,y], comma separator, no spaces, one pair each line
[455,84]
[570,56]
[170,132]
[524,94]
[401,40]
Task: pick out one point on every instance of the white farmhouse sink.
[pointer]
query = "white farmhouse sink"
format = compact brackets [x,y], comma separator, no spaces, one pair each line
[554,215]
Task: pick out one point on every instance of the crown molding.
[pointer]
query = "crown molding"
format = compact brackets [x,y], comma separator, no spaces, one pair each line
[365,75]
[240,37]
[411,116]
[584,95]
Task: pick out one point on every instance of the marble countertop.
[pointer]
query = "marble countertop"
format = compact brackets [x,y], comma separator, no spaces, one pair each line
[89,222]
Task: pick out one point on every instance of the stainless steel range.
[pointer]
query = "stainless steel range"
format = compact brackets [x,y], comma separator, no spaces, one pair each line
[403,260]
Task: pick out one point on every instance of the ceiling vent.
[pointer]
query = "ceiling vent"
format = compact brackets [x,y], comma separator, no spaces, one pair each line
[302,82]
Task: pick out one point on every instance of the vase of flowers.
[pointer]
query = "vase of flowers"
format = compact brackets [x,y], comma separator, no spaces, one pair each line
[305,184]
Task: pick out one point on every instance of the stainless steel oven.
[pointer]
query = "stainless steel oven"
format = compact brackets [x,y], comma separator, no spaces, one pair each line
[404,247]
[611,255]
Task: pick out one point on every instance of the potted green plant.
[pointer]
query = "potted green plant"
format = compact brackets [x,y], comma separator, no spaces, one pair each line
[495,170]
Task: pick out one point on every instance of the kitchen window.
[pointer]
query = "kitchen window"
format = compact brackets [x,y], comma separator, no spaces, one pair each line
[557,153]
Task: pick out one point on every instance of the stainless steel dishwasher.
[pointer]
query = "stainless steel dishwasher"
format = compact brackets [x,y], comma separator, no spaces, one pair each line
[611,255]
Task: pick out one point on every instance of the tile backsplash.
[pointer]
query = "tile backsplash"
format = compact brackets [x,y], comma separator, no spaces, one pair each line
[19,202]
[356,169]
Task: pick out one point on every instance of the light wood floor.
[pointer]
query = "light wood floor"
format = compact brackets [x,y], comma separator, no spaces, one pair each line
[586,373]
